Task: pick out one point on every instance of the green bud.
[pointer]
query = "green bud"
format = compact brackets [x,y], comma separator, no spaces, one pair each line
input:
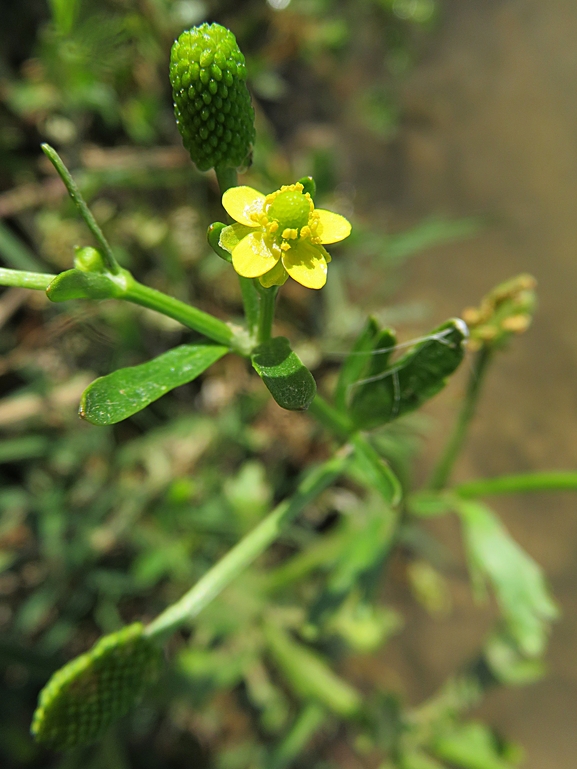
[211,101]
[84,697]
[88,259]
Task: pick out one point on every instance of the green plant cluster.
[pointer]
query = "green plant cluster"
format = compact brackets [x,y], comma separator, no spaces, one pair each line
[253,552]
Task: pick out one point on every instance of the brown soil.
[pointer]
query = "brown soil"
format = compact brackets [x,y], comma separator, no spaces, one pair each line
[491,129]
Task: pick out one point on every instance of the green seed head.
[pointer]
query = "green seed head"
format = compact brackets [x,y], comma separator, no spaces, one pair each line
[84,697]
[291,209]
[211,101]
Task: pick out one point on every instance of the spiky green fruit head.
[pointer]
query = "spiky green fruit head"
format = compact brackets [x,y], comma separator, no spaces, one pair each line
[84,697]
[212,104]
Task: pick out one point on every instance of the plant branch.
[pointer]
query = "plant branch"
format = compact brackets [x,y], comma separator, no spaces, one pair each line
[189,316]
[227,178]
[329,417]
[266,313]
[247,550]
[442,472]
[23,279]
[307,723]
[107,255]
[515,484]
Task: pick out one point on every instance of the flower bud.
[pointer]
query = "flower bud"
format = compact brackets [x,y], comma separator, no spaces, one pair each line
[85,696]
[212,104]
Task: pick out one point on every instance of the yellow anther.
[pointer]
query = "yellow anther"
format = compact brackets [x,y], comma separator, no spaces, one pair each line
[306,232]
[272,227]
[285,246]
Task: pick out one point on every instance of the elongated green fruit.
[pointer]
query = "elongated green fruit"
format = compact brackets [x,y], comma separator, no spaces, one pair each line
[211,101]
[85,696]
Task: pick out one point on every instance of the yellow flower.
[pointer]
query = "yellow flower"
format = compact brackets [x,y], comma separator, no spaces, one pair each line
[280,234]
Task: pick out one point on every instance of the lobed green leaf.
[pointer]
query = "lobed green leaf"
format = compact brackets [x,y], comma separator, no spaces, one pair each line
[406,384]
[517,579]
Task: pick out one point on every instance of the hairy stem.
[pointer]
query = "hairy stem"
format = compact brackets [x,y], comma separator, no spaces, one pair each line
[444,468]
[247,550]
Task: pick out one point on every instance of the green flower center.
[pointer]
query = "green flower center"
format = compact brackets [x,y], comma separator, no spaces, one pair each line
[290,209]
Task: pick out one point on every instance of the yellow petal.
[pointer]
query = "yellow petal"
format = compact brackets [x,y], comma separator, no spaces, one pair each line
[334,227]
[254,256]
[306,264]
[241,202]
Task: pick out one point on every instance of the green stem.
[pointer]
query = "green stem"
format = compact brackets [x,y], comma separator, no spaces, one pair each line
[38,280]
[184,313]
[247,550]
[308,722]
[266,313]
[227,178]
[251,303]
[555,480]
[442,472]
[329,417]
[107,255]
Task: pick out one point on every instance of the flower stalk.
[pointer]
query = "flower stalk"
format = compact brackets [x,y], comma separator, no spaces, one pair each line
[225,571]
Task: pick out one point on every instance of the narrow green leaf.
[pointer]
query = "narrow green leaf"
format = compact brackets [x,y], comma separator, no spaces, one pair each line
[471,746]
[517,579]
[515,484]
[410,381]
[23,448]
[309,676]
[115,397]
[77,284]
[377,471]
[288,380]
[428,234]
[15,253]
